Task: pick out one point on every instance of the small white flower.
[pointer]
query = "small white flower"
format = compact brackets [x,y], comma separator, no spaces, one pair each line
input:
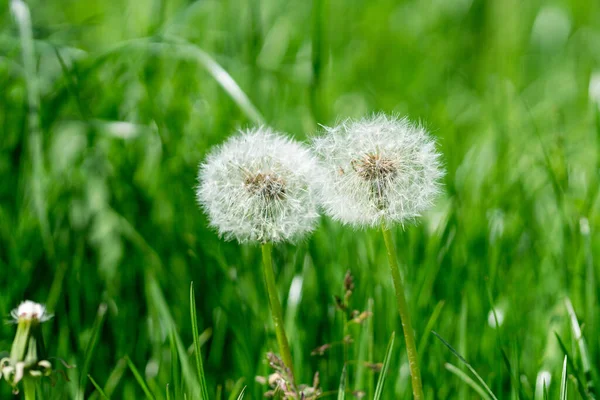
[258,186]
[378,170]
[29,310]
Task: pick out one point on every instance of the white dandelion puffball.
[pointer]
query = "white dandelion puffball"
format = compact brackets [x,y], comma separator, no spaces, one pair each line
[30,311]
[258,187]
[378,170]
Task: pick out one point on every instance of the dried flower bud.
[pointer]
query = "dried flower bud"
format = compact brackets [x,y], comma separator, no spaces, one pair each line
[319,351]
[375,367]
[360,318]
[348,282]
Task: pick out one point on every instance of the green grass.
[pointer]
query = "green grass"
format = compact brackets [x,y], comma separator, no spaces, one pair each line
[98,217]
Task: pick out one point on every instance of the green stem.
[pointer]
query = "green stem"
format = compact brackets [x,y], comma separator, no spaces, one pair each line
[409,336]
[276,311]
[29,386]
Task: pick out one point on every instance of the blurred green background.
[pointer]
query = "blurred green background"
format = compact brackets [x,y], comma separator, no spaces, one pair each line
[98,217]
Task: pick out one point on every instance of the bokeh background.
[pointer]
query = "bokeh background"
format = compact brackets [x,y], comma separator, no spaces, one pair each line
[98,217]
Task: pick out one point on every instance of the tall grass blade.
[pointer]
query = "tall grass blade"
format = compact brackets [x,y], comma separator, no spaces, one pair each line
[467,379]
[237,388]
[115,377]
[432,320]
[583,350]
[197,353]
[386,364]
[157,299]
[140,380]
[342,388]
[241,396]
[488,390]
[563,381]
[98,388]
[175,366]
[569,358]
[91,346]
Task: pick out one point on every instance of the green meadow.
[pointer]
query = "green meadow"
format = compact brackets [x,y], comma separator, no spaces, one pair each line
[108,107]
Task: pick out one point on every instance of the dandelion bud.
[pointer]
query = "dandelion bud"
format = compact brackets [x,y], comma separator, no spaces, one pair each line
[379,170]
[28,353]
[258,187]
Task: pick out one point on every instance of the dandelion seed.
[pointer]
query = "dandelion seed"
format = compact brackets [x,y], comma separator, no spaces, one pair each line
[258,187]
[379,170]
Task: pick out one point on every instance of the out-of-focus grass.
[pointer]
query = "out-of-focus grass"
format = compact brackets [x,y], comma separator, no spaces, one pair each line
[134,93]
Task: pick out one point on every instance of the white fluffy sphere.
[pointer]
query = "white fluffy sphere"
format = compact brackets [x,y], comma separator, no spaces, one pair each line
[258,187]
[29,310]
[378,170]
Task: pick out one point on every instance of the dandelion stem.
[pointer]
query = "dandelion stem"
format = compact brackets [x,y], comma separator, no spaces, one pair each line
[29,386]
[409,336]
[276,311]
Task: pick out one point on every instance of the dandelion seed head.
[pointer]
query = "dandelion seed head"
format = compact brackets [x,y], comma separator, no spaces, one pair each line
[259,186]
[378,170]
[29,310]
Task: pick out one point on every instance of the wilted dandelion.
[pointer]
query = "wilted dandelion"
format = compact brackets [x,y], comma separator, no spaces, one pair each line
[258,187]
[380,171]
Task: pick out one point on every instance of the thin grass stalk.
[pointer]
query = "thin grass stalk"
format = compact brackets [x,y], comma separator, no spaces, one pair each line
[409,336]
[276,311]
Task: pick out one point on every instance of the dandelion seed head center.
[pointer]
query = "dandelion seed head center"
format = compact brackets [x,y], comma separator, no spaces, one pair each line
[268,186]
[373,167]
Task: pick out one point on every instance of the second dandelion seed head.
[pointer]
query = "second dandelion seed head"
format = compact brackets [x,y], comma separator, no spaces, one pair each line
[379,170]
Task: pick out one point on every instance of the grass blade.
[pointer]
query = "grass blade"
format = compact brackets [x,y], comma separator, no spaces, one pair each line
[467,379]
[342,388]
[580,386]
[159,302]
[139,379]
[241,396]
[386,364]
[434,317]
[197,353]
[91,346]
[563,381]
[488,390]
[98,388]
[583,350]
[237,388]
